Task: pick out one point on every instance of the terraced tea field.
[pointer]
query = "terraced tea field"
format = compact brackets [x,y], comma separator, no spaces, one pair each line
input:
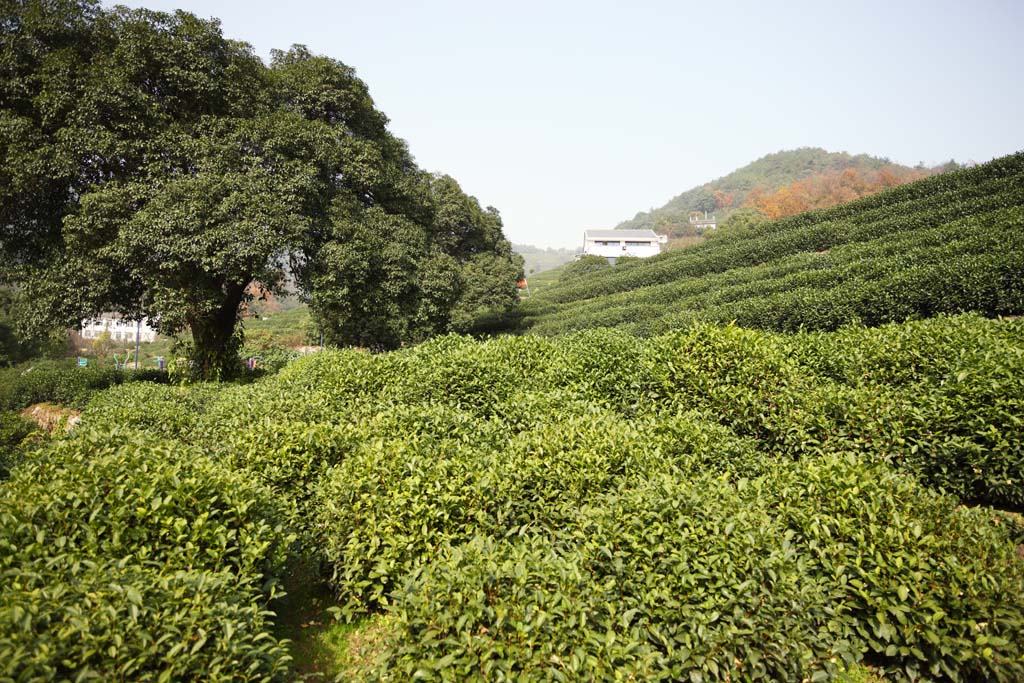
[948,244]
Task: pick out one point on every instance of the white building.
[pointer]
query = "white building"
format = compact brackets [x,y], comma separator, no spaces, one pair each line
[119,329]
[613,244]
[700,224]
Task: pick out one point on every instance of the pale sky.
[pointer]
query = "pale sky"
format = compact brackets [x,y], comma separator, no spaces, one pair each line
[575,115]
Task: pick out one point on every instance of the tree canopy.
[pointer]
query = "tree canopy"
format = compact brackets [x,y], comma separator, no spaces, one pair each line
[152,167]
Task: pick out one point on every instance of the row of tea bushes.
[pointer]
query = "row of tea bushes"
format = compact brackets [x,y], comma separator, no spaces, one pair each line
[48,381]
[927,203]
[14,430]
[129,558]
[394,502]
[959,267]
[953,422]
[62,382]
[787,577]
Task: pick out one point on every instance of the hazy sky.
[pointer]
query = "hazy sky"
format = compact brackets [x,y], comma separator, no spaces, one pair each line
[575,115]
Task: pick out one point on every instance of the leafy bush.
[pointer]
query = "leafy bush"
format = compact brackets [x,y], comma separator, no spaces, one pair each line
[14,429]
[137,559]
[159,409]
[791,576]
[583,266]
[929,585]
[940,398]
[715,503]
[392,502]
[63,383]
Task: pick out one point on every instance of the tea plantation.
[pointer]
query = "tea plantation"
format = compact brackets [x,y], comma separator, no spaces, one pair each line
[711,504]
[952,243]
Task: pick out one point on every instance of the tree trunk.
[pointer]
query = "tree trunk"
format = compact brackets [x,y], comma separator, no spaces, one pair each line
[216,345]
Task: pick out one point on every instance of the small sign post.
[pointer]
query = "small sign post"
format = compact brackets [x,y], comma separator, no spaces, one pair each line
[82,362]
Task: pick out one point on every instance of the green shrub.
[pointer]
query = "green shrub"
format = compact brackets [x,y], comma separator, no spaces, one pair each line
[714,503]
[583,267]
[134,559]
[744,377]
[395,499]
[794,575]
[931,587]
[63,383]
[940,398]
[160,409]
[14,429]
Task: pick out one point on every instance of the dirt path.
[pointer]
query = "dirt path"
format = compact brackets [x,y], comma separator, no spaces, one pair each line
[51,417]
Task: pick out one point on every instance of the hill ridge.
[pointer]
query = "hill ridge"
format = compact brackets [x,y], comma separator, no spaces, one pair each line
[765,175]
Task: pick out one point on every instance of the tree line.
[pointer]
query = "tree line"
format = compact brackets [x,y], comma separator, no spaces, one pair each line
[153,167]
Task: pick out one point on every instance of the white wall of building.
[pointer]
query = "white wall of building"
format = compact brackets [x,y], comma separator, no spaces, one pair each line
[615,244]
[618,249]
[120,330]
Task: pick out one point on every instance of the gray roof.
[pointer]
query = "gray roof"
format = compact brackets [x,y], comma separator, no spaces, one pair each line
[620,235]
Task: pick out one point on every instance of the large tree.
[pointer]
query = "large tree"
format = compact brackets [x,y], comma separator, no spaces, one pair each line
[152,167]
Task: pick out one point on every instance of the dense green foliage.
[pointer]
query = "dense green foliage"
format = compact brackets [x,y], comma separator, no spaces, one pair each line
[712,504]
[14,429]
[152,167]
[946,244]
[584,266]
[129,559]
[62,382]
[779,578]
[14,347]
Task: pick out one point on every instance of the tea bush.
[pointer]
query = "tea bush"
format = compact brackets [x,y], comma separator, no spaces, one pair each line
[14,429]
[941,398]
[63,383]
[783,578]
[160,409]
[394,501]
[127,558]
[929,585]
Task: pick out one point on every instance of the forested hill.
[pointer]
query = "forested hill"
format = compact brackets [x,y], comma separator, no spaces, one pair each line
[767,175]
[947,244]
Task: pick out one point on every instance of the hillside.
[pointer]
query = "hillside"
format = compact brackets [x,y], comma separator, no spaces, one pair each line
[766,175]
[946,244]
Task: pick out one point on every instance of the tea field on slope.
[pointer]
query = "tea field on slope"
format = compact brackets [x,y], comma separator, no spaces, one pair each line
[948,244]
[710,504]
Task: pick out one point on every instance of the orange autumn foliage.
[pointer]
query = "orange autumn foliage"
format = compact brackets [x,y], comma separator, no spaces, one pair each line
[723,199]
[828,189]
